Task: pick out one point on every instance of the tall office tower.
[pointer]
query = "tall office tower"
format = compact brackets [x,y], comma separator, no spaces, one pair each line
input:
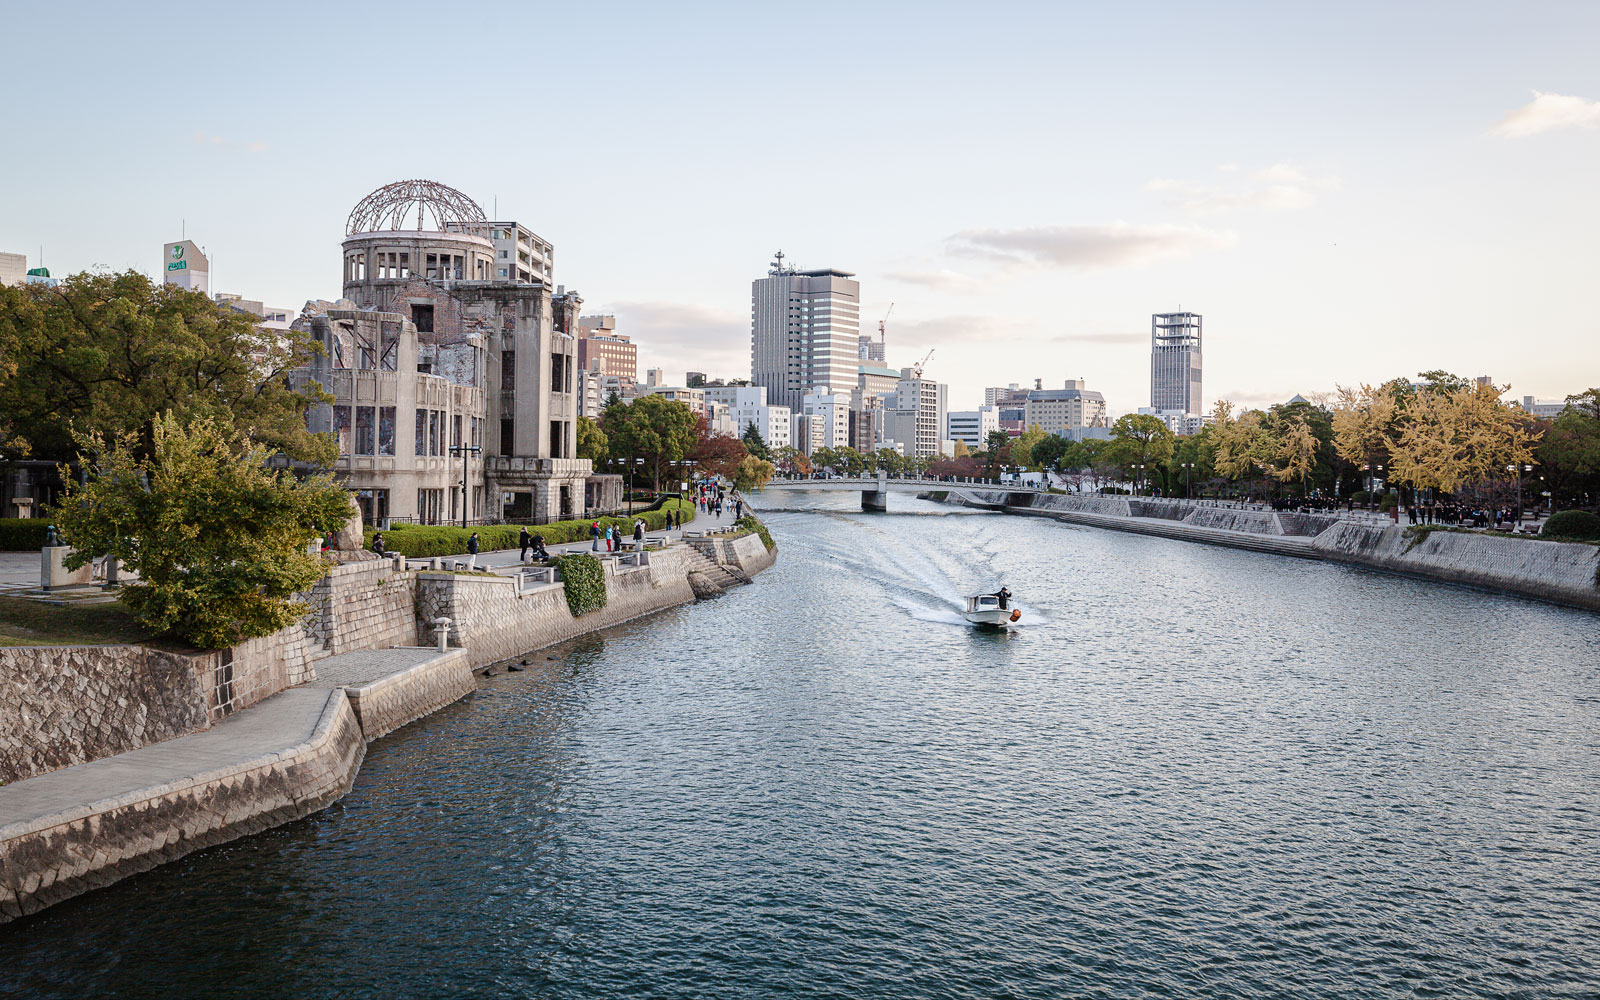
[1175,363]
[804,332]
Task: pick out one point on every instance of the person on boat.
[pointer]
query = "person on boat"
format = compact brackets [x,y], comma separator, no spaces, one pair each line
[1003,596]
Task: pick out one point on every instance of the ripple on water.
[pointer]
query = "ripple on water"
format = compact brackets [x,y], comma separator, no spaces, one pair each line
[1197,772]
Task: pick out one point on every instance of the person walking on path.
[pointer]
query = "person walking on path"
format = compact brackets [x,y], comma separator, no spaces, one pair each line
[638,534]
[524,543]
[472,551]
[594,537]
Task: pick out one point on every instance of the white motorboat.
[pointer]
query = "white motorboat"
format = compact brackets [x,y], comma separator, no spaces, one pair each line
[990,611]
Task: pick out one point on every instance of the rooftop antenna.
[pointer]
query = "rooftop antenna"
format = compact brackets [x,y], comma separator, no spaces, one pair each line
[777,265]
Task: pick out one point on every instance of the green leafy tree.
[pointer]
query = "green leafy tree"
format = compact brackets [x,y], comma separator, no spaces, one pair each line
[1139,439]
[1570,451]
[994,451]
[1046,454]
[592,443]
[219,542]
[752,474]
[753,441]
[654,428]
[110,354]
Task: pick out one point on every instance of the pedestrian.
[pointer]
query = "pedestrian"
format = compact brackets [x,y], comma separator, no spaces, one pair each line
[377,543]
[539,551]
[594,537]
[524,543]
[638,534]
[472,551]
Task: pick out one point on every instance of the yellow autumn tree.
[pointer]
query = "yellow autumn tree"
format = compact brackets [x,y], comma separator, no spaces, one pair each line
[1296,453]
[1455,438]
[1361,420]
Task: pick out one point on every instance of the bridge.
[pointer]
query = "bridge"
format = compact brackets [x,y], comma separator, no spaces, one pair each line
[875,490]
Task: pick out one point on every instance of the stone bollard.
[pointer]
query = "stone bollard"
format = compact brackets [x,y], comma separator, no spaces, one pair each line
[442,627]
[399,562]
[433,563]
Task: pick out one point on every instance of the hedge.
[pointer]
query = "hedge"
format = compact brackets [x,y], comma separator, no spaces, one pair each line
[1573,524]
[417,541]
[750,523]
[584,580]
[20,533]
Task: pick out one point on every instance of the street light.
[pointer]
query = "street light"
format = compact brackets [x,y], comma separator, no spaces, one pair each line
[1519,468]
[464,450]
[1188,489]
[1137,476]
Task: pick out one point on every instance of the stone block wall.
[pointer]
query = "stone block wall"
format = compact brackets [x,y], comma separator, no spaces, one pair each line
[1562,572]
[498,622]
[364,605]
[386,704]
[65,705]
[63,854]
[1258,522]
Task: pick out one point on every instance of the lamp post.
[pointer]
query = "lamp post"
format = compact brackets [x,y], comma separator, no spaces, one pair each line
[464,450]
[1137,476]
[1188,487]
[1519,468]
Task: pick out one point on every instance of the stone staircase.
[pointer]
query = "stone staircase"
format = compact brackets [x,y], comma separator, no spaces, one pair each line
[705,576]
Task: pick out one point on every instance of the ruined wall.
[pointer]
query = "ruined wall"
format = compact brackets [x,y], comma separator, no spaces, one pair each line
[499,623]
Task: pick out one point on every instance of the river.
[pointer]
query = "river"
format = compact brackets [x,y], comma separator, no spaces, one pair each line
[1192,772]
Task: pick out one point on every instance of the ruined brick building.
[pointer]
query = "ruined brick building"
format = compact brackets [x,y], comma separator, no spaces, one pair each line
[453,367]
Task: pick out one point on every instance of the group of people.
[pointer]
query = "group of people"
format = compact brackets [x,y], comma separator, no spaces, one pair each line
[1453,512]
[608,538]
[713,499]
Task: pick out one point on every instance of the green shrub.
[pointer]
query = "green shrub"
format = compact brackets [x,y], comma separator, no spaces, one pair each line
[1361,498]
[20,533]
[585,582]
[750,523]
[418,541]
[1573,524]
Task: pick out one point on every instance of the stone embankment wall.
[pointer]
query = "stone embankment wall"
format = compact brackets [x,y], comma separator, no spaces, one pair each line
[386,704]
[496,621]
[62,853]
[65,705]
[1562,572]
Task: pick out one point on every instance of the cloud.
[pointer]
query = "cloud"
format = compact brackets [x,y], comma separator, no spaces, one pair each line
[699,337]
[1102,338]
[1088,247]
[1548,112]
[943,279]
[1279,187]
[203,138]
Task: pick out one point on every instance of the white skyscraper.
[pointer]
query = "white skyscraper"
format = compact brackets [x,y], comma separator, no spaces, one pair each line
[804,332]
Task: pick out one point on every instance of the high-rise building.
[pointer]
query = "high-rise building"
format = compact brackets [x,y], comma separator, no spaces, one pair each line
[972,427]
[186,266]
[1175,362]
[13,268]
[601,348]
[914,417]
[833,410]
[804,332]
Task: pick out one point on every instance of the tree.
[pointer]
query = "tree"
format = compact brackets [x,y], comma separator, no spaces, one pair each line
[1244,444]
[994,446]
[1297,453]
[752,474]
[1570,449]
[961,451]
[1459,437]
[592,442]
[110,354]
[1362,420]
[1046,454]
[793,461]
[1021,454]
[654,428]
[1140,439]
[719,454]
[753,442]
[219,542]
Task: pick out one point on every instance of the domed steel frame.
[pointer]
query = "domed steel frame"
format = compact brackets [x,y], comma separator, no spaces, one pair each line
[392,205]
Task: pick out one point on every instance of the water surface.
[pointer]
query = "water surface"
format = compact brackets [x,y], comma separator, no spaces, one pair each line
[1193,772]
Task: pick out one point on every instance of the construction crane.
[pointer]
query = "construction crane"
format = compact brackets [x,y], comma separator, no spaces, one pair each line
[916,369]
[881,322]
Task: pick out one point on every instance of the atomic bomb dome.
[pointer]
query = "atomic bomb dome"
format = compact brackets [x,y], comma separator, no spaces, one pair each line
[416,205]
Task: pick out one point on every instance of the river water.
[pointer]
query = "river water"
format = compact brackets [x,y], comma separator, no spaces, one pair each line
[1193,772]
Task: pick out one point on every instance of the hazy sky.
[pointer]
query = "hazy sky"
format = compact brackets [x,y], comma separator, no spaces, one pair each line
[1346,192]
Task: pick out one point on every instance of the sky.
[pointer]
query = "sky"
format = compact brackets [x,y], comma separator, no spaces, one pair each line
[1346,192]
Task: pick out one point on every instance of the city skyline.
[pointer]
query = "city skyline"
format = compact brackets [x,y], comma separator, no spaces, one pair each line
[1422,210]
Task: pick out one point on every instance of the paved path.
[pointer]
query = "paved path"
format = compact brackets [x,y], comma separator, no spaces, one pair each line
[279,723]
[367,665]
[508,558]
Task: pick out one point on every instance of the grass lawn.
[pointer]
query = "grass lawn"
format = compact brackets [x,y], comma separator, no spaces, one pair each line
[30,623]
